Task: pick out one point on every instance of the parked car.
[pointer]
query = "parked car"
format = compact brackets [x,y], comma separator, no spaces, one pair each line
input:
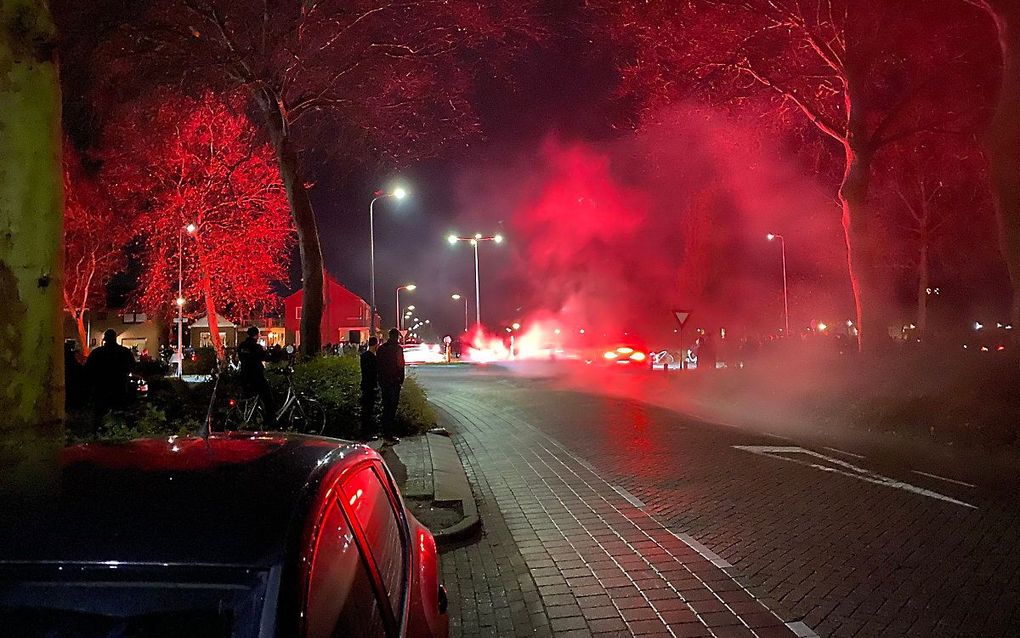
[243,535]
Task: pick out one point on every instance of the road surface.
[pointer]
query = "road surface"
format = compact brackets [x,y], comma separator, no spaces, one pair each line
[607,516]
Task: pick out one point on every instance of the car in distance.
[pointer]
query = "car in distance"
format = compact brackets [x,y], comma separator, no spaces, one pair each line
[625,355]
[241,535]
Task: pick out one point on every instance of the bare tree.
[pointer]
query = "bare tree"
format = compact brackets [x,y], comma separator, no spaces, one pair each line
[366,78]
[843,67]
[1002,140]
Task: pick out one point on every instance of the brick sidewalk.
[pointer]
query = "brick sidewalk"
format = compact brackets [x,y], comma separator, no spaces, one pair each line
[567,553]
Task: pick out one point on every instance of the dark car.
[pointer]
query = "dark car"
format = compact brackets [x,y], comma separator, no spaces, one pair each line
[241,535]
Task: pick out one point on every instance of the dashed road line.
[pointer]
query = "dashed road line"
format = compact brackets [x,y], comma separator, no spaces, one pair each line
[627,496]
[942,478]
[790,452]
[838,451]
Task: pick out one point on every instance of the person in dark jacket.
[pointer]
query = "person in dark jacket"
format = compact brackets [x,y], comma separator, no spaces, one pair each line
[390,359]
[251,356]
[108,367]
[369,388]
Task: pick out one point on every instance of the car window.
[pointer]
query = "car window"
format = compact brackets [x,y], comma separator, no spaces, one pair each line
[370,504]
[341,601]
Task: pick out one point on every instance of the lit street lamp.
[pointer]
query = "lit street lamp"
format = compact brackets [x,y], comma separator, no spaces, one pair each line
[498,239]
[397,194]
[786,303]
[457,297]
[409,288]
[190,228]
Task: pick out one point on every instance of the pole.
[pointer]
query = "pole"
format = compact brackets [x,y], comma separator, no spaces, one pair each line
[465,315]
[478,303]
[786,304]
[180,306]
[371,251]
[400,320]
[683,355]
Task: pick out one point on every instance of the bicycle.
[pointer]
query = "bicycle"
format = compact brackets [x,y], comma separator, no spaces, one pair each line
[297,412]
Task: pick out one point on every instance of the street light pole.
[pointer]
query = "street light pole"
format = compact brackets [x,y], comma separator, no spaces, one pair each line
[458,297]
[453,239]
[398,193]
[786,303]
[190,228]
[400,319]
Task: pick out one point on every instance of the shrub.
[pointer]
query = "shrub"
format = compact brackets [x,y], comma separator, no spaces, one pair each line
[203,363]
[414,413]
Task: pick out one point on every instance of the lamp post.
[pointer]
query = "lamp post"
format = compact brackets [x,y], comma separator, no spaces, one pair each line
[786,303]
[457,297]
[400,320]
[398,194]
[190,228]
[474,241]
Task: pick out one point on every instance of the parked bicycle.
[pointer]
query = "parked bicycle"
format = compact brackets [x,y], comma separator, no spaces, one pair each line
[297,412]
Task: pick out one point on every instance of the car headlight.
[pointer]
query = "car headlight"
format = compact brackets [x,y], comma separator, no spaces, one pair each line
[638,356]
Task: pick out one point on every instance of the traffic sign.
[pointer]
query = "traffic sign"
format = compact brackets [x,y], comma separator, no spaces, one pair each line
[681,316]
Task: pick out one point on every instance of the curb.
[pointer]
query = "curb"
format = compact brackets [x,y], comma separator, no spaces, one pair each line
[444,482]
[452,488]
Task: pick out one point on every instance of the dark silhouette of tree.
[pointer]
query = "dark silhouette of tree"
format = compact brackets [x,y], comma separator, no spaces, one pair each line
[96,235]
[198,162]
[368,78]
[862,74]
[1002,139]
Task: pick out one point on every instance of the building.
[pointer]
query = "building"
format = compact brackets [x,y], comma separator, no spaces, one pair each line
[134,329]
[201,336]
[345,316]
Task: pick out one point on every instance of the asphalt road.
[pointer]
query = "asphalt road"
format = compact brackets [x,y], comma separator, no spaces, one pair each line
[695,525]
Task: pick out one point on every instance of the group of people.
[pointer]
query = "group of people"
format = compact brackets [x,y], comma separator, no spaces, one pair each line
[106,373]
[382,373]
[382,369]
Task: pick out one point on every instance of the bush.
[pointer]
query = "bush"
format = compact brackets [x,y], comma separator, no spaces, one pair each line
[203,363]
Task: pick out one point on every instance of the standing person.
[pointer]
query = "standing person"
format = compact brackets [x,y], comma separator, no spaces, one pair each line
[251,357]
[369,387]
[108,367]
[390,359]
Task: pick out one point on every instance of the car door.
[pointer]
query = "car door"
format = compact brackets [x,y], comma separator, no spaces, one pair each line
[381,530]
[342,596]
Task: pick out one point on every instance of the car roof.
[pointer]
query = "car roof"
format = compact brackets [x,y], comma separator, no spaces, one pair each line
[231,500]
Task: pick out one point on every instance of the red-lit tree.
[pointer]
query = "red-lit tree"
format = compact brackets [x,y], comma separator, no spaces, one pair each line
[198,162]
[862,74]
[378,79]
[96,233]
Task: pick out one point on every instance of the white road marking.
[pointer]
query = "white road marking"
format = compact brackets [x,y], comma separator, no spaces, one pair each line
[942,478]
[776,436]
[838,451]
[630,498]
[781,452]
[705,552]
[801,630]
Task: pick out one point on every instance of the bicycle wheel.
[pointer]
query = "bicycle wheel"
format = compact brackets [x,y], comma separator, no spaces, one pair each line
[306,416]
[245,414]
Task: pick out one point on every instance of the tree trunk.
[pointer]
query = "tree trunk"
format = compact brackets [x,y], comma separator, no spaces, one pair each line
[83,335]
[304,222]
[31,216]
[923,282]
[210,305]
[860,246]
[1002,144]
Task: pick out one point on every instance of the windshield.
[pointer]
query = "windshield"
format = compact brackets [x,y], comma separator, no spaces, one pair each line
[66,602]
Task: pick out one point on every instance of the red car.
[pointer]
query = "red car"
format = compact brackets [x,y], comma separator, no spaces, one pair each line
[243,535]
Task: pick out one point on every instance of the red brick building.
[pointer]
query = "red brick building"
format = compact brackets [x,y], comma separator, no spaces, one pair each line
[345,316]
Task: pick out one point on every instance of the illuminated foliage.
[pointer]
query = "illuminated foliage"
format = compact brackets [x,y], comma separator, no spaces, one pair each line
[96,233]
[379,80]
[198,162]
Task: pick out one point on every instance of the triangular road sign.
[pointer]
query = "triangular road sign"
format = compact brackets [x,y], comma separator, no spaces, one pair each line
[681,316]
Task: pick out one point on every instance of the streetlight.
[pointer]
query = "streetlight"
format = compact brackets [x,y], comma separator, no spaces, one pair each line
[457,297]
[786,303]
[474,241]
[397,194]
[409,288]
[190,228]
